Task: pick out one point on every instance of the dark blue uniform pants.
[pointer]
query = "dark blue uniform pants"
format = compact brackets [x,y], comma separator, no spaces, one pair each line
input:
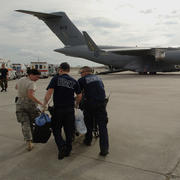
[63,117]
[3,83]
[97,113]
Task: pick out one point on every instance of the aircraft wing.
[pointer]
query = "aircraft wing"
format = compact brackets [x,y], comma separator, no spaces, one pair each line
[133,51]
[157,52]
[123,51]
[90,43]
[138,51]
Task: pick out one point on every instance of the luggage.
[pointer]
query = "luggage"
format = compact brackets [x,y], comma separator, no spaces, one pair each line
[42,119]
[41,130]
[79,122]
[41,134]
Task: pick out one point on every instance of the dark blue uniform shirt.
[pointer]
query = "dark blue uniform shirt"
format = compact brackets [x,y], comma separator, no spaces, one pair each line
[3,73]
[93,88]
[64,88]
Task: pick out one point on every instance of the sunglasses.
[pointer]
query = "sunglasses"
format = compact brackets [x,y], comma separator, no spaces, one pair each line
[81,72]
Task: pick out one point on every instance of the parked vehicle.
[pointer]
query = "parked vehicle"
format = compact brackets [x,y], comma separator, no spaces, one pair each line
[42,67]
[20,69]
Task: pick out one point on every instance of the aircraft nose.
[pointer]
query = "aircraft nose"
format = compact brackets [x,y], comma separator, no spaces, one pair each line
[61,50]
[57,50]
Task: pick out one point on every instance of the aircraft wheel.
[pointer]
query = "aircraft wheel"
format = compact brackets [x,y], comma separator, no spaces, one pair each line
[152,73]
[142,73]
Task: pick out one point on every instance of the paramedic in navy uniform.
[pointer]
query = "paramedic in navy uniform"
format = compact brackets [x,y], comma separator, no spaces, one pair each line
[94,108]
[63,87]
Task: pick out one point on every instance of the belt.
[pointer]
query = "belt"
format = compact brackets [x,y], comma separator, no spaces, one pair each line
[24,98]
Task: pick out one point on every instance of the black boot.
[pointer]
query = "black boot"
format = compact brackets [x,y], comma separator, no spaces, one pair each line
[61,153]
[104,153]
[67,151]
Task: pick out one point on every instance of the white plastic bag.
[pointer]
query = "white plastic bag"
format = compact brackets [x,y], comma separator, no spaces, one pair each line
[79,122]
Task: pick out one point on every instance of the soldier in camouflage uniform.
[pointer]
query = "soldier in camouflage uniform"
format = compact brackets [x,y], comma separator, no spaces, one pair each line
[26,104]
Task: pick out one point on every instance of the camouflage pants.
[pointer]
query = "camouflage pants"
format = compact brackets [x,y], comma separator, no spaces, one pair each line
[3,83]
[26,112]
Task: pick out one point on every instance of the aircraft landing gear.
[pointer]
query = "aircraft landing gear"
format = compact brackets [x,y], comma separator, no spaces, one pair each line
[145,73]
[142,73]
[152,73]
[111,68]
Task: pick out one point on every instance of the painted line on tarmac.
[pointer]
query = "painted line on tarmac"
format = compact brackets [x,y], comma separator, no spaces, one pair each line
[9,137]
[126,165]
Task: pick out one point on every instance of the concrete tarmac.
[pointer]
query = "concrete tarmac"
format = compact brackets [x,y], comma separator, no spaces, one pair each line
[144,134]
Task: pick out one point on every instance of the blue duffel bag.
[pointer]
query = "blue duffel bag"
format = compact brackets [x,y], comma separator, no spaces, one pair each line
[42,119]
[41,130]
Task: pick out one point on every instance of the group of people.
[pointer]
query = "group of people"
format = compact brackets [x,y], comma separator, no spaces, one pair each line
[67,94]
[3,78]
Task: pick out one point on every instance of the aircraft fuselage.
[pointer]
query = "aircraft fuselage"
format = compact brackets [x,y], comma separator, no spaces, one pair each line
[171,62]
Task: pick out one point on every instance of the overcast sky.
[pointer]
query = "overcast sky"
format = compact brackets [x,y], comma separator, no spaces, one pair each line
[24,38]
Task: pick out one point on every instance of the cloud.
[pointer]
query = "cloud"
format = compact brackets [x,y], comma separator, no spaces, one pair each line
[97,23]
[147,11]
[170,23]
[101,22]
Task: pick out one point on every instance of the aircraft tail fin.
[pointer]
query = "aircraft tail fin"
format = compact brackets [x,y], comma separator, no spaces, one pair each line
[61,25]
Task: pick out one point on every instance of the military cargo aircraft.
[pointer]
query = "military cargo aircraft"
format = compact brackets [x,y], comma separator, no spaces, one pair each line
[144,60]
